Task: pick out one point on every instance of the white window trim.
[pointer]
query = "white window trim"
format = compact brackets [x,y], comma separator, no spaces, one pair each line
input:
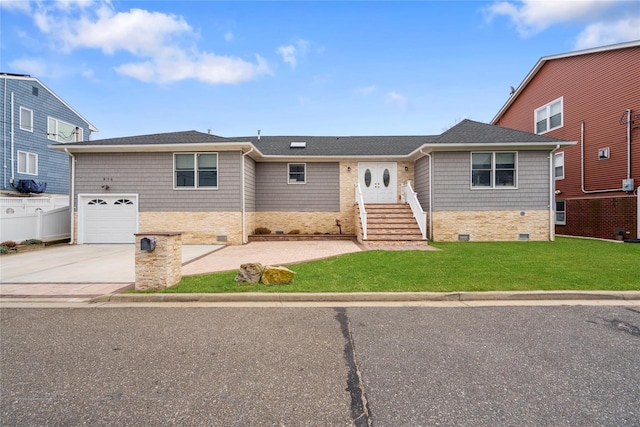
[195,178]
[55,135]
[493,171]
[289,174]
[564,211]
[559,155]
[547,107]
[26,165]
[22,127]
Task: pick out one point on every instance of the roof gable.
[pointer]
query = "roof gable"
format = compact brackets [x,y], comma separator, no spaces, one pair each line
[545,59]
[27,77]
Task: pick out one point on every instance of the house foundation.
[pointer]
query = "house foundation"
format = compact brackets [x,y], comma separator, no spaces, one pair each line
[453,226]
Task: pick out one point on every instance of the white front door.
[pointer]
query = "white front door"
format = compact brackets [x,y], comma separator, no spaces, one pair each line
[378,182]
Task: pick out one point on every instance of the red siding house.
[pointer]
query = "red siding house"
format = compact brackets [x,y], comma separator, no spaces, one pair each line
[591,96]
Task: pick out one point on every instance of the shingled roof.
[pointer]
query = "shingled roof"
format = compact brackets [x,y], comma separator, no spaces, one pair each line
[338,145]
[471,132]
[467,132]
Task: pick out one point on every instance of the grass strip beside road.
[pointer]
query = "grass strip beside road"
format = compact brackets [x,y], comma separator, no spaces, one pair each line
[566,264]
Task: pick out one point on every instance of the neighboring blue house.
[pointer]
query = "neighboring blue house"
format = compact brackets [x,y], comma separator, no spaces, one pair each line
[33,117]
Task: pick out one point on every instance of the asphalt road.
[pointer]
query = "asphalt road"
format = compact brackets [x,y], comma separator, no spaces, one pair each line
[380,366]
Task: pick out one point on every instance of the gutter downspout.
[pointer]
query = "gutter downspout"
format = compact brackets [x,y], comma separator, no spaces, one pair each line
[244,221]
[430,195]
[582,165]
[13,161]
[552,196]
[628,143]
[4,136]
[72,194]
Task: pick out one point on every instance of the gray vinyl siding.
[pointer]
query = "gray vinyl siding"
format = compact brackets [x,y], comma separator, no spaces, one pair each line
[320,193]
[250,184]
[53,166]
[452,192]
[421,177]
[151,176]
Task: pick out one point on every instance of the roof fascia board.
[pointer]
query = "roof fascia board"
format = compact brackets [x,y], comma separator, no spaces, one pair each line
[92,128]
[544,60]
[74,148]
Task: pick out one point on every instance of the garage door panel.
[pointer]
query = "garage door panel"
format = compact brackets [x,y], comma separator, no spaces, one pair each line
[109,219]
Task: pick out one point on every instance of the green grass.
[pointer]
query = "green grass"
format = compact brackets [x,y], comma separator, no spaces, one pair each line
[566,264]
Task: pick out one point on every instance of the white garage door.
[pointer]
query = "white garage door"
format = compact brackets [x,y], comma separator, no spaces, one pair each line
[108,219]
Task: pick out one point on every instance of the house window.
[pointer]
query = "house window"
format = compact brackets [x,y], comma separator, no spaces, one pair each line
[297,173]
[493,170]
[196,170]
[27,163]
[60,131]
[549,117]
[26,119]
[561,212]
[558,165]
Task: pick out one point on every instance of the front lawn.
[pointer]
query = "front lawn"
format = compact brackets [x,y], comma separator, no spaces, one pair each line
[566,264]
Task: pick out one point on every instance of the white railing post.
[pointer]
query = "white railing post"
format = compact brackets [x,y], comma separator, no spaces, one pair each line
[363,212]
[411,197]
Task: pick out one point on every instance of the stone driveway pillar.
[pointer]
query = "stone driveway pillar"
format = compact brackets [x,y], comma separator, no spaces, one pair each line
[158,260]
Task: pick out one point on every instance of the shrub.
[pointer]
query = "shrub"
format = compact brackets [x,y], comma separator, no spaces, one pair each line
[262,230]
[3,249]
[31,242]
[294,232]
[9,244]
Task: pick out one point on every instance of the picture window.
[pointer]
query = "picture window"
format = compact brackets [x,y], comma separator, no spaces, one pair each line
[196,170]
[493,170]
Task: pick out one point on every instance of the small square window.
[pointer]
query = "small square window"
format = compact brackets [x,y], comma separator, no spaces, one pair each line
[297,173]
[549,117]
[27,163]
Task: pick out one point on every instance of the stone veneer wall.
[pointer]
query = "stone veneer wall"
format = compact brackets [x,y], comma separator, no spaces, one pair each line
[162,267]
[490,225]
[198,228]
[305,222]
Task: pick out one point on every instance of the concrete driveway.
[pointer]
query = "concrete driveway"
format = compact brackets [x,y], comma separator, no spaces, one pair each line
[76,270]
[94,270]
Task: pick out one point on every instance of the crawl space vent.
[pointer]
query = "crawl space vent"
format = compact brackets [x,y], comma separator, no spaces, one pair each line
[523,236]
[464,237]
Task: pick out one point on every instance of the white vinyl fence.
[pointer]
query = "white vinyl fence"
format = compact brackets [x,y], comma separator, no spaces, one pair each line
[46,226]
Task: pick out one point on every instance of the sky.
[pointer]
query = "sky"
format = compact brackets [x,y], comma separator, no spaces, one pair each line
[332,68]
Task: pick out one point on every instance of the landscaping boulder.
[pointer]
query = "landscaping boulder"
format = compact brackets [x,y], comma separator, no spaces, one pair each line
[250,273]
[273,275]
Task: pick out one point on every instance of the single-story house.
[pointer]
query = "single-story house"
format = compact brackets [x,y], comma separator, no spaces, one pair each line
[475,182]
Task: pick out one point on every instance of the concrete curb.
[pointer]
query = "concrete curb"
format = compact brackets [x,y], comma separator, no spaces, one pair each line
[370,297]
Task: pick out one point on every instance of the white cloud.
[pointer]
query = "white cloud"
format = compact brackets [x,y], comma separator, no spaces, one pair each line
[289,55]
[607,21]
[605,33]
[228,36]
[17,5]
[398,100]
[162,43]
[532,16]
[291,52]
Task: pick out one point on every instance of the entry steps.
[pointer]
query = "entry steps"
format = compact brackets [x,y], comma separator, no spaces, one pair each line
[391,224]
